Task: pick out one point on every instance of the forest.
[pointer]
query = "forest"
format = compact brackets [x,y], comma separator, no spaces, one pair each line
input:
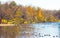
[11,13]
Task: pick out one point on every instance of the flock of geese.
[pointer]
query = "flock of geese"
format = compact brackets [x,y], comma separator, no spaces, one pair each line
[48,35]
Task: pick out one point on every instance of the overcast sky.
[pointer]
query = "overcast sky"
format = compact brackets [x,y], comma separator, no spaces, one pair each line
[46,4]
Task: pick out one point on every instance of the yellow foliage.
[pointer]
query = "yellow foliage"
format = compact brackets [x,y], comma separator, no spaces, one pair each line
[25,22]
[30,11]
[40,15]
[33,22]
[4,21]
[18,13]
[9,22]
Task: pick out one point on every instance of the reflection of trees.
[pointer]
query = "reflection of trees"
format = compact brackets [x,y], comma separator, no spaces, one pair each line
[28,29]
[13,31]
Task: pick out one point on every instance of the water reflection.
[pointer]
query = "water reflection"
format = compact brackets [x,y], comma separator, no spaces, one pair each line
[40,30]
[47,30]
[43,30]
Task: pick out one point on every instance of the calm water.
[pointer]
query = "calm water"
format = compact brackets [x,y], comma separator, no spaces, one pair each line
[40,30]
[44,30]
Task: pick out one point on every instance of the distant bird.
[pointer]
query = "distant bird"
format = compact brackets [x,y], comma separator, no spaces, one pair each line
[56,36]
[53,36]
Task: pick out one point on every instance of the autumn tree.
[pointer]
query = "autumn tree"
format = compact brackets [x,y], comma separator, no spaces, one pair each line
[40,15]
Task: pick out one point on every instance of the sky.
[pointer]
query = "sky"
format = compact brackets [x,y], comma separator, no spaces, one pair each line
[45,4]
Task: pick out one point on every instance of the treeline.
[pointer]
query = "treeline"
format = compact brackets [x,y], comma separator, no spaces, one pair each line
[11,13]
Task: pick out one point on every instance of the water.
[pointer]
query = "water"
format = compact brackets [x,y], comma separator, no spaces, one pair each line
[44,30]
[40,30]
